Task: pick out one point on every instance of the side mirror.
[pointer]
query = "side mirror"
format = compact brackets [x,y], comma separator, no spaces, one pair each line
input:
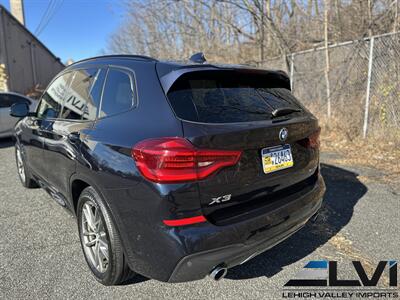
[19,110]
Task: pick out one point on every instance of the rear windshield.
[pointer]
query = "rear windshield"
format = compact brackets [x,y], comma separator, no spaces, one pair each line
[228,97]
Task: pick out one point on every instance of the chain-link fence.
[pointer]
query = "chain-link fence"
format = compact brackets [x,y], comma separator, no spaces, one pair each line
[364,82]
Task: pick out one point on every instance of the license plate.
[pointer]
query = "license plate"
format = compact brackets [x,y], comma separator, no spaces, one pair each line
[276,158]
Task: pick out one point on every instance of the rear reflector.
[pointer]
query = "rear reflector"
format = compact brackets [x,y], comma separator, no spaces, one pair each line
[185,221]
[171,160]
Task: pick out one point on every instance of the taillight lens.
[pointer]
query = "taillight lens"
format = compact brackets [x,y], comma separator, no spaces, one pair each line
[312,141]
[169,160]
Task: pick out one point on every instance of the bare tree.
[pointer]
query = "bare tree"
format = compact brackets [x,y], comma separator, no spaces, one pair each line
[245,31]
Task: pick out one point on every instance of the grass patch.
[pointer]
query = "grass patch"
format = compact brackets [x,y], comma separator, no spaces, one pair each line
[380,150]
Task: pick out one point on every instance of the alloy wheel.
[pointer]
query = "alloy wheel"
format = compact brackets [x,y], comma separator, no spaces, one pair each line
[94,237]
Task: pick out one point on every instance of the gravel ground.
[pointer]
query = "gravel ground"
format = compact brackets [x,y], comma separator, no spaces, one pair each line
[40,255]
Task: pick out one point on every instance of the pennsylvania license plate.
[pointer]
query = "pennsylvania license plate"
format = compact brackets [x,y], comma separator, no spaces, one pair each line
[276,158]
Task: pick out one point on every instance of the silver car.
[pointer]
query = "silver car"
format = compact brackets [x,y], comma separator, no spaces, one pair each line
[7,122]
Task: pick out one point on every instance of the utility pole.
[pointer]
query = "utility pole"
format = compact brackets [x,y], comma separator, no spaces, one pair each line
[327,61]
[17,10]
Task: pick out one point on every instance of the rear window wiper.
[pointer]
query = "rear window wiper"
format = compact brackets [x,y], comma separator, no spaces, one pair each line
[240,109]
[283,111]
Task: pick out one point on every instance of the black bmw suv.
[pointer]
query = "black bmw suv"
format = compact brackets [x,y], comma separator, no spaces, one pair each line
[173,170]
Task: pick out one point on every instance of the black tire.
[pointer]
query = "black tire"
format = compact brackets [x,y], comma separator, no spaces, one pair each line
[24,173]
[116,269]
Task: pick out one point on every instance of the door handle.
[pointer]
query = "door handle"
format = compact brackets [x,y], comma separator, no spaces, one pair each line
[74,137]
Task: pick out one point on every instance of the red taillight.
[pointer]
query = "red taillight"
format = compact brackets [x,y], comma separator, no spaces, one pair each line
[312,141]
[169,160]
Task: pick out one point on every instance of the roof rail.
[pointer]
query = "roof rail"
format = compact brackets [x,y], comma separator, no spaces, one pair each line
[132,56]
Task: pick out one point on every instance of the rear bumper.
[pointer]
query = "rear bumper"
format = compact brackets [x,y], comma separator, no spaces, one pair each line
[197,265]
[179,254]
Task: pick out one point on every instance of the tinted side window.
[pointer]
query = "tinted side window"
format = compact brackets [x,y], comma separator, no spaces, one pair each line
[6,100]
[18,99]
[79,102]
[50,104]
[118,94]
[95,93]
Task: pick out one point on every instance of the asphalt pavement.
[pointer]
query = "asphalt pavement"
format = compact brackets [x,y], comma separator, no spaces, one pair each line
[40,255]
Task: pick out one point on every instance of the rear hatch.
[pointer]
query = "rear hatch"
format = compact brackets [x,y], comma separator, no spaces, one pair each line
[234,110]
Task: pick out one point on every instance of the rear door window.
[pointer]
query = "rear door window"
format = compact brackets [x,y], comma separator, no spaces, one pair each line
[95,95]
[227,97]
[118,94]
[83,96]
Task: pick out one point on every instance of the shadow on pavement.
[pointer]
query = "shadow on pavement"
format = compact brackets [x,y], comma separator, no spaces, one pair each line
[6,143]
[343,190]
[135,279]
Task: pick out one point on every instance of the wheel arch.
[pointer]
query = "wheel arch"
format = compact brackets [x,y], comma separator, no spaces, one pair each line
[77,184]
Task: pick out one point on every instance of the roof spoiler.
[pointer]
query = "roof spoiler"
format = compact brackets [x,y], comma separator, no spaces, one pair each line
[169,79]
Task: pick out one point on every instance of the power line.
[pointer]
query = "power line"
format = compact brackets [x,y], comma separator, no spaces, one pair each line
[56,6]
[53,7]
[44,16]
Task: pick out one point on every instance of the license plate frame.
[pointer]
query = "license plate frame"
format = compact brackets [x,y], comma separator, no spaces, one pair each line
[276,158]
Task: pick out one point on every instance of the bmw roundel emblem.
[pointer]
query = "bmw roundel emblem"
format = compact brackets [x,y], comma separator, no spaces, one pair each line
[283,134]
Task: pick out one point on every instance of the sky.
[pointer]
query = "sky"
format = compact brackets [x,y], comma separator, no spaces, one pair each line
[78,28]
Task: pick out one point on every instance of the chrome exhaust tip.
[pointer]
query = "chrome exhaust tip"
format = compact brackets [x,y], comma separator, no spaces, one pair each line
[218,273]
